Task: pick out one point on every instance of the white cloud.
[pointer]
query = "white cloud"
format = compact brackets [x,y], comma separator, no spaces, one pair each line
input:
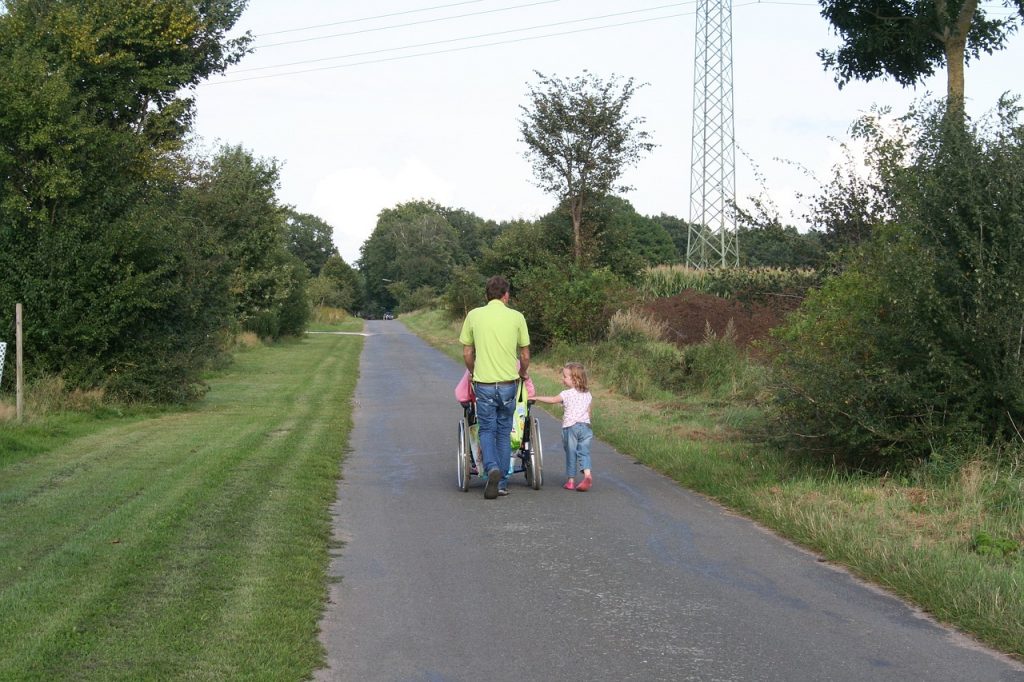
[351,198]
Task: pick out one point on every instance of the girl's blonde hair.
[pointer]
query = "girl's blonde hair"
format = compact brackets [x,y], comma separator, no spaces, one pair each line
[578,375]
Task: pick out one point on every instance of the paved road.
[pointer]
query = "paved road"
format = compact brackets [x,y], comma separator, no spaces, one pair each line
[635,580]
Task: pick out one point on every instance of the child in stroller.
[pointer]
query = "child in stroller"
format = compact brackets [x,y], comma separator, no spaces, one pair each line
[526,442]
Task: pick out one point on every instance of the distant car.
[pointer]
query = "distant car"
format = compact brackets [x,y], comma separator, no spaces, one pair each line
[388,315]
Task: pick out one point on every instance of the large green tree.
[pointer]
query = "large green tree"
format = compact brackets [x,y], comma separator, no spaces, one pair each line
[93,237]
[413,245]
[236,198]
[580,138]
[310,239]
[909,39]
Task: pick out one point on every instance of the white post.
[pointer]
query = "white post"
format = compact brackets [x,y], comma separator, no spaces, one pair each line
[18,360]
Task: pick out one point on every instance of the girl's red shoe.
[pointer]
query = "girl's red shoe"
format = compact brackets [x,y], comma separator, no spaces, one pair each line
[585,484]
[570,484]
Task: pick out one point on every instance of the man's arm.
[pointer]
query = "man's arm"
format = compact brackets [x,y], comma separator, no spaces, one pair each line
[524,361]
[469,357]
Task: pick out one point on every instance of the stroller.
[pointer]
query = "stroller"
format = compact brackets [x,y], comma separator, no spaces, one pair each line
[527,451]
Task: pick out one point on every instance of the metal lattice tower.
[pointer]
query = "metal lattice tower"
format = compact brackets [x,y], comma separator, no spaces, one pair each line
[711,240]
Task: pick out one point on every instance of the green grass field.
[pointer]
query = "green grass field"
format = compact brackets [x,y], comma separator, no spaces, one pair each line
[189,544]
[946,538]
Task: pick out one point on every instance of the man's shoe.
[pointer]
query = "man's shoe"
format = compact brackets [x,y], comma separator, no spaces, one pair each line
[491,487]
[502,492]
[585,484]
[570,484]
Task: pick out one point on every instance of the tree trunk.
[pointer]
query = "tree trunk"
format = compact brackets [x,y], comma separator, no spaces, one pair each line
[955,79]
[954,41]
[576,211]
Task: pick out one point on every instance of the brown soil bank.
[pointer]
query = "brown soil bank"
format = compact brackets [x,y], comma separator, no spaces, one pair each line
[688,314]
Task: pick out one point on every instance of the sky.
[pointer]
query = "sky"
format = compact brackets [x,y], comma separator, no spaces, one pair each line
[368,104]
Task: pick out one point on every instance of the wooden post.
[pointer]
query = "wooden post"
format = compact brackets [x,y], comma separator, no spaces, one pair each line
[20,370]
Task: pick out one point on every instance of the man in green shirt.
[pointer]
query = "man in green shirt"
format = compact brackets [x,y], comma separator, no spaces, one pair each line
[496,350]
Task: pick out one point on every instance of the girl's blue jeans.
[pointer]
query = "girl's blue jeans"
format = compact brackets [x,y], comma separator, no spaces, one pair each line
[576,441]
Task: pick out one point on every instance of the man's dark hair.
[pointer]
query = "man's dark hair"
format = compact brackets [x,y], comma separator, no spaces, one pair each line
[497,287]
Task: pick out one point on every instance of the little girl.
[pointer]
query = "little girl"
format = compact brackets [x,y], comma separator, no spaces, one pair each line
[576,432]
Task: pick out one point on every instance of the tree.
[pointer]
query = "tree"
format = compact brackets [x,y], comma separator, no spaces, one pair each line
[580,139]
[909,39]
[679,231]
[124,289]
[769,243]
[474,233]
[236,198]
[919,342]
[346,281]
[621,240]
[413,244]
[309,239]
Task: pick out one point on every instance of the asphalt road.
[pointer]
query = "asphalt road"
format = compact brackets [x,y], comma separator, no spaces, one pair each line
[636,579]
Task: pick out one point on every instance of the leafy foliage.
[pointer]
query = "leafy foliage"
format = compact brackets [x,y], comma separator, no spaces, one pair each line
[569,304]
[413,244]
[121,288]
[918,342]
[464,292]
[341,283]
[236,198]
[580,139]
[908,40]
[309,239]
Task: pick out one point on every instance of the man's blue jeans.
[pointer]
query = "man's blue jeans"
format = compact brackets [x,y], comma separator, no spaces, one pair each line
[495,404]
[576,441]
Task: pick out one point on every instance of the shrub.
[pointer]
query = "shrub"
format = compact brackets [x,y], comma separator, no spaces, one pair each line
[417,299]
[719,367]
[569,304]
[633,325]
[464,292]
[328,315]
[917,344]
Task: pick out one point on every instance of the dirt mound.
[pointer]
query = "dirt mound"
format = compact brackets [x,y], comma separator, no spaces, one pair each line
[688,314]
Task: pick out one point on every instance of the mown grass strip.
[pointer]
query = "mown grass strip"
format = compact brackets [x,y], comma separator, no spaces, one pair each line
[189,545]
[911,536]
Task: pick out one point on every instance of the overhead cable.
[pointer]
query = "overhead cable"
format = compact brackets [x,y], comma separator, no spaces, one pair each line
[455,40]
[453,49]
[411,23]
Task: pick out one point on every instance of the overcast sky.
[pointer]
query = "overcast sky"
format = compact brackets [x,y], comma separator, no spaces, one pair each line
[365,111]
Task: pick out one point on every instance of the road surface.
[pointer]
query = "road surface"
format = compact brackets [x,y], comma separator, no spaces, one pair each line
[637,579]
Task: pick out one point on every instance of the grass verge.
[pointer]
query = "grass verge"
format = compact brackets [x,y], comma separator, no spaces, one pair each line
[189,544]
[946,536]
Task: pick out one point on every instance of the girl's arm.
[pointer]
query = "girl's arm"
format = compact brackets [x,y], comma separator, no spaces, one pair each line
[552,399]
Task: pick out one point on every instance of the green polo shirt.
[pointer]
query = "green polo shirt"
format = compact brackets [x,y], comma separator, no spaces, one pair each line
[496,333]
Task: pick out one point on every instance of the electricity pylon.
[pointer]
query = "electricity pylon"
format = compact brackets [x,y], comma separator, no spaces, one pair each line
[711,240]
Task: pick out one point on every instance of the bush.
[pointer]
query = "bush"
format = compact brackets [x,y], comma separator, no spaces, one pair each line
[638,369]
[917,344]
[465,291]
[720,368]
[569,304]
[416,299]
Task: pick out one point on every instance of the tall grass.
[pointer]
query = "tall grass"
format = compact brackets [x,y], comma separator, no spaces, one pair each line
[670,280]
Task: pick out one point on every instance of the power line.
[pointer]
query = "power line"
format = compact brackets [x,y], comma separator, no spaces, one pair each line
[411,23]
[454,40]
[456,49]
[483,35]
[378,16]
